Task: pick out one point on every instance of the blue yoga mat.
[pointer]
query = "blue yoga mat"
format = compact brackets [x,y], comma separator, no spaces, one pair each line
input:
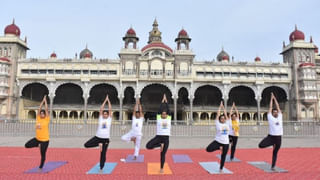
[49,166]
[214,167]
[266,167]
[130,159]
[181,158]
[107,169]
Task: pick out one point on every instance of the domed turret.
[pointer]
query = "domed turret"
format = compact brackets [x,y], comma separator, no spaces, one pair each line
[12,29]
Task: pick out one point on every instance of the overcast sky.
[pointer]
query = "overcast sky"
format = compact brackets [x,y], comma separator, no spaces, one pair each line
[245,28]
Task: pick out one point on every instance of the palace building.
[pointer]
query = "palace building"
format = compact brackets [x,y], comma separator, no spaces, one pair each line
[76,87]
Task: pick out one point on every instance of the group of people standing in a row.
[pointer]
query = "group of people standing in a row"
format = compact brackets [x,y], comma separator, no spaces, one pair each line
[227,131]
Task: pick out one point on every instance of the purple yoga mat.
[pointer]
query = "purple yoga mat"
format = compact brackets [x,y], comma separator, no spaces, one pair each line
[139,159]
[181,158]
[49,166]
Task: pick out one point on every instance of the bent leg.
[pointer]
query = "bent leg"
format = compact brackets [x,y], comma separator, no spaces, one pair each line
[153,143]
[266,142]
[93,142]
[32,143]
[213,146]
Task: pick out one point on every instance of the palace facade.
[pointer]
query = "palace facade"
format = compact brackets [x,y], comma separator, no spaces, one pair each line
[76,87]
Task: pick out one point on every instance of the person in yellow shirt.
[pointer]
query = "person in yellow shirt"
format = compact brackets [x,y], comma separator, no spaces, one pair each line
[234,130]
[42,132]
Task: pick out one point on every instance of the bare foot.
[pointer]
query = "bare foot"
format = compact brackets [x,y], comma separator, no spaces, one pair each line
[221,171]
[273,169]
[101,171]
[40,170]
[161,171]
[135,158]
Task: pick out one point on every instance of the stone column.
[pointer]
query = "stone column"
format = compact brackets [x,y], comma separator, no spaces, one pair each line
[85,97]
[258,99]
[175,98]
[17,107]
[120,112]
[225,101]
[51,97]
[190,120]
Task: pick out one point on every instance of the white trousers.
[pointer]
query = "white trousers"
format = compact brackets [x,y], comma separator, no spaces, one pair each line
[127,137]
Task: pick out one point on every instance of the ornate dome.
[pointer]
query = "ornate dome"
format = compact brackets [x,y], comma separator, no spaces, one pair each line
[183,33]
[12,29]
[86,53]
[53,55]
[155,44]
[296,35]
[223,55]
[131,31]
[257,59]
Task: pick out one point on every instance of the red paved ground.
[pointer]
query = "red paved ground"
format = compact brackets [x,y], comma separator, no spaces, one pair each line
[302,163]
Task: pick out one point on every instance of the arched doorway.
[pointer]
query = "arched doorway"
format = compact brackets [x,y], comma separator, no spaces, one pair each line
[151,97]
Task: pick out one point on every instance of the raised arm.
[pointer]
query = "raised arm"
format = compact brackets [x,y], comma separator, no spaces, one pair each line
[140,108]
[271,103]
[231,110]
[237,112]
[109,107]
[102,105]
[277,104]
[135,108]
[46,106]
[164,105]
[41,104]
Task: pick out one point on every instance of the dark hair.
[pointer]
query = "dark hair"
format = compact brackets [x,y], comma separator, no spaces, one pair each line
[105,111]
[137,112]
[234,114]
[165,112]
[274,109]
[221,116]
[42,111]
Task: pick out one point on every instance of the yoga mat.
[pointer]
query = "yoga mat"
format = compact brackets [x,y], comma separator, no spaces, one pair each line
[228,158]
[49,166]
[266,167]
[181,158]
[214,167]
[139,159]
[154,169]
[107,169]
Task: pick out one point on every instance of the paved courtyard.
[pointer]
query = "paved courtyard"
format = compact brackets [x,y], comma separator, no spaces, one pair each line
[302,163]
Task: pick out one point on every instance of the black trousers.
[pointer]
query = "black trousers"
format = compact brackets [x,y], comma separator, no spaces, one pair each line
[156,142]
[43,148]
[233,141]
[215,145]
[94,142]
[274,141]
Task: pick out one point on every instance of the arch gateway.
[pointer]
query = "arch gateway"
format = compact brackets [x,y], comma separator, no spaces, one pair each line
[76,87]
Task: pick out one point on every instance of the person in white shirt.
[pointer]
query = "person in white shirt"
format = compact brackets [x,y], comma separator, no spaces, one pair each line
[135,133]
[103,132]
[234,130]
[222,135]
[275,130]
[163,131]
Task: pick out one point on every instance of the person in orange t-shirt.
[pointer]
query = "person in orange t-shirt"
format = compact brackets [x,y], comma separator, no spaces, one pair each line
[42,132]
